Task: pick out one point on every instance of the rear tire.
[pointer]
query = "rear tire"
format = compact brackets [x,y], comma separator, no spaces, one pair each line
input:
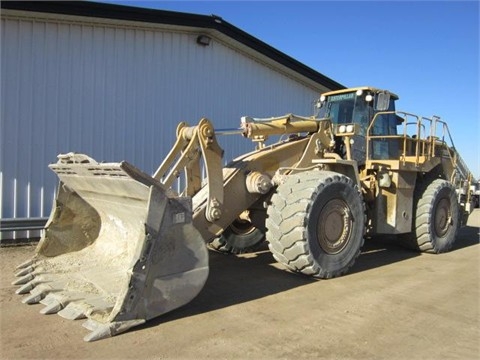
[316,223]
[240,237]
[436,219]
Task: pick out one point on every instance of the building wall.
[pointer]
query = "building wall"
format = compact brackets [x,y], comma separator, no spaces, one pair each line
[117,93]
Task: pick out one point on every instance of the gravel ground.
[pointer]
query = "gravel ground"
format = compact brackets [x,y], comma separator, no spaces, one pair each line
[394,304]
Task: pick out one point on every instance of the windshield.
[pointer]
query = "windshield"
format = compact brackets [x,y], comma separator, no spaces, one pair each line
[346,108]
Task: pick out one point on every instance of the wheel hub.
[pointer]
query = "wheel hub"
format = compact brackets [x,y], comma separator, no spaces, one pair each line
[334,226]
[442,218]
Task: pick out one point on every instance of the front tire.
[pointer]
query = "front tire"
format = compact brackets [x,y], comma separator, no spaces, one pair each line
[316,223]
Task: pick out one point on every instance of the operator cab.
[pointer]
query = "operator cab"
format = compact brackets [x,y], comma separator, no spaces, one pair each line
[361,106]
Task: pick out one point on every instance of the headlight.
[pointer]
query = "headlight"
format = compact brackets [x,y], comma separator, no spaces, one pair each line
[350,128]
[322,98]
[342,129]
[369,98]
[359,92]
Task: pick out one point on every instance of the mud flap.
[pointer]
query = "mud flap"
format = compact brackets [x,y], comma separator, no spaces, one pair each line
[119,249]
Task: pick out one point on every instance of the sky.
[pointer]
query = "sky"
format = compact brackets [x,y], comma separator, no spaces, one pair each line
[427,52]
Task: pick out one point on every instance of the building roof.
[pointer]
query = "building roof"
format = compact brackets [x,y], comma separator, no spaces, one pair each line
[213,22]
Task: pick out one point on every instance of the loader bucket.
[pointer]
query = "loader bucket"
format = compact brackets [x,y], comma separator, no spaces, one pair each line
[118,249]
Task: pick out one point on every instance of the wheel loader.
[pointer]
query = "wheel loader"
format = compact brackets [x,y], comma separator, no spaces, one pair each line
[122,247]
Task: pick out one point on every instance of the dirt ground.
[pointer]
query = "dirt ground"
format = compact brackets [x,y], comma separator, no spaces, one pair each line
[394,304]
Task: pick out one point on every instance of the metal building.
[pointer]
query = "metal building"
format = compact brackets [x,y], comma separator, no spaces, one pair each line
[114,81]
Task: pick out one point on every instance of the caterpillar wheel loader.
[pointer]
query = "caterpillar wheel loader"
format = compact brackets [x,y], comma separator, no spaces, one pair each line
[122,247]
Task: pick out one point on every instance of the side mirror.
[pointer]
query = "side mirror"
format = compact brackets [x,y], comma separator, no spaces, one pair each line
[383,101]
[317,105]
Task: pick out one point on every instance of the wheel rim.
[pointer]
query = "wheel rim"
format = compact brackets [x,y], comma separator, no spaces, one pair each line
[442,218]
[334,226]
[242,227]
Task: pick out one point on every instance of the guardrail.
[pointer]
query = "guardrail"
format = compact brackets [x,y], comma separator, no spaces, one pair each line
[22,224]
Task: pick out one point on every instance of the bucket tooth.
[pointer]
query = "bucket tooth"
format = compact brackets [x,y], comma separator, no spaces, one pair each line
[57,301]
[73,311]
[33,298]
[41,283]
[25,288]
[53,307]
[99,333]
[37,294]
[92,325]
[26,264]
[102,331]
[24,271]
[47,300]
[83,307]
[53,303]
[23,280]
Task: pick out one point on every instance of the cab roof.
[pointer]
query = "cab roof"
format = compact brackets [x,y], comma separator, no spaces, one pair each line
[364,88]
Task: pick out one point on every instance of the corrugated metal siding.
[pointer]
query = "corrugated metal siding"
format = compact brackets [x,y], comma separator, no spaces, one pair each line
[118,93]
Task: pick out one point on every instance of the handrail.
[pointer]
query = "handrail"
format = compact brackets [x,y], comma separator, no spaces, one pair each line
[430,133]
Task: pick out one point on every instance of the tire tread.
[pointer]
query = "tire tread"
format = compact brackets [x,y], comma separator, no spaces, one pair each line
[287,221]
